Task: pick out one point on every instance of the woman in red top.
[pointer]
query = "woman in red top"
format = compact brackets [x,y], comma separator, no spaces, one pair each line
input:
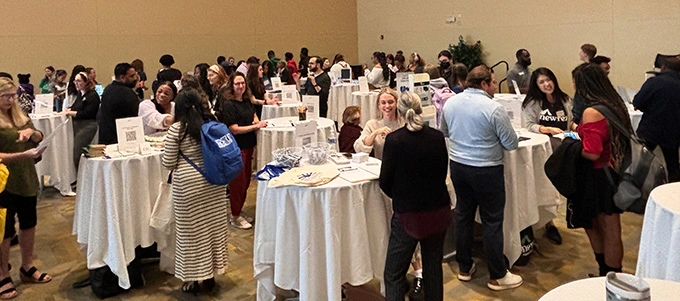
[605,147]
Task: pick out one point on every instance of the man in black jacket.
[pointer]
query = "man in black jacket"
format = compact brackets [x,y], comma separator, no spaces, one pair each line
[318,83]
[659,99]
[118,101]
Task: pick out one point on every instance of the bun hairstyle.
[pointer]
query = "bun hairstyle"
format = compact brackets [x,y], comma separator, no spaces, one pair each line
[409,106]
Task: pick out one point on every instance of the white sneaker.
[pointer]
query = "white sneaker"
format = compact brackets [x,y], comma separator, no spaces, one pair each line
[241,223]
[467,276]
[249,219]
[68,194]
[509,281]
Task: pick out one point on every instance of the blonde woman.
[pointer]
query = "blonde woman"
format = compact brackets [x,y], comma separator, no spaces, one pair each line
[218,79]
[372,138]
[413,174]
[18,139]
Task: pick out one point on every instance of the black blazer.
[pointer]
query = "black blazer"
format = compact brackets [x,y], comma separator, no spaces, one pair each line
[118,101]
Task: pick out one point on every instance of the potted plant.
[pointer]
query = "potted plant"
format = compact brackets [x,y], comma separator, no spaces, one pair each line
[468,54]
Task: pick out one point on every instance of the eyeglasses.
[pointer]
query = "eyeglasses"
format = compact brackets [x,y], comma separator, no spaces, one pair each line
[8,96]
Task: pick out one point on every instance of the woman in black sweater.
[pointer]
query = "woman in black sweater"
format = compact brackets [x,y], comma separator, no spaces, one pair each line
[84,114]
[413,174]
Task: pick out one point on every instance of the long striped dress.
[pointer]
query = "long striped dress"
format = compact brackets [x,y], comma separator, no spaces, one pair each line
[201,216]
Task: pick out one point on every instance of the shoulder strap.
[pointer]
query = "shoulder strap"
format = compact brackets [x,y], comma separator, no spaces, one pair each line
[192,163]
[614,121]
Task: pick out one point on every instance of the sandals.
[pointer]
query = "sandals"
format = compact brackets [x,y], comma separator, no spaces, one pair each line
[12,290]
[27,276]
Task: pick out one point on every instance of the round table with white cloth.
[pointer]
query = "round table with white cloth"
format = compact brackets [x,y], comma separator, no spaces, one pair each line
[340,96]
[57,160]
[367,102]
[530,197]
[314,239]
[277,111]
[594,289]
[659,254]
[113,209]
[280,133]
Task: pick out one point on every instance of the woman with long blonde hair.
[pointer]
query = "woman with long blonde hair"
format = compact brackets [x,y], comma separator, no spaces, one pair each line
[18,141]
[372,139]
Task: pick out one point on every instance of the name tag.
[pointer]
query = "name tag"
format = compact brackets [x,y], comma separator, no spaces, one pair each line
[560,113]
[521,73]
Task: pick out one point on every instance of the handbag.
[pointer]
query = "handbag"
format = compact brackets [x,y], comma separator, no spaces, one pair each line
[163,214]
[640,172]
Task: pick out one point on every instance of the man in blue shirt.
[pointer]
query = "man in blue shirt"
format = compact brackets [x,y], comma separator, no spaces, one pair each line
[479,129]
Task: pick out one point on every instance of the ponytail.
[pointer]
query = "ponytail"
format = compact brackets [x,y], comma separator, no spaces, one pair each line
[409,106]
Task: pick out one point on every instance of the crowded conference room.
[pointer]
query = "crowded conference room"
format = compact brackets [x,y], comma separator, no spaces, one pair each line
[355,150]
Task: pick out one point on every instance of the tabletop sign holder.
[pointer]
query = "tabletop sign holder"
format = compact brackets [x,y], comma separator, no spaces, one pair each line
[404,82]
[312,104]
[44,104]
[513,106]
[305,133]
[289,94]
[421,86]
[363,84]
[276,83]
[130,132]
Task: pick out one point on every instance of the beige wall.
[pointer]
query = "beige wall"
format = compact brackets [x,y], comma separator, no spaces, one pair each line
[102,33]
[630,32]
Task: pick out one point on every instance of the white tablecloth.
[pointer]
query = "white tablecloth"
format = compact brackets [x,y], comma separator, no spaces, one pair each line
[57,160]
[113,208]
[283,135]
[635,117]
[530,197]
[283,110]
[594,289]
[659,255]
[367,102]
[314,239]
[339,98]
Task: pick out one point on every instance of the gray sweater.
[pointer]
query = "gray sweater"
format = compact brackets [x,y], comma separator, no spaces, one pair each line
[533,109]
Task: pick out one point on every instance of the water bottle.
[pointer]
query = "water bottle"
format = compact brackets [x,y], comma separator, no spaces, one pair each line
[333,141]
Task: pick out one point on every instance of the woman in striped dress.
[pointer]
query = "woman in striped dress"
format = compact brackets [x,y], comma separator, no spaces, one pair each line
[200,207]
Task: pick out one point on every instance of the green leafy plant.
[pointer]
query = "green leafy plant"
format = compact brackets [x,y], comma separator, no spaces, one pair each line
[468,54]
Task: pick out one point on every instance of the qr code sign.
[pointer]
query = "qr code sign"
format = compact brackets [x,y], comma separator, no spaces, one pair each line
[130,136]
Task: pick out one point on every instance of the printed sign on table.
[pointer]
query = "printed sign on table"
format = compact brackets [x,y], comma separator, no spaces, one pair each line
[305,133]
[44,104]
[363,84]
[312,104]
[130,132]
[276,83]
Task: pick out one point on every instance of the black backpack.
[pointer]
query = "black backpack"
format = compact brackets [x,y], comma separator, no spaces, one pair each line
[640,172]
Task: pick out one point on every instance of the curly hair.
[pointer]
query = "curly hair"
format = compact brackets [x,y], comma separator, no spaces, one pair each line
[594,87]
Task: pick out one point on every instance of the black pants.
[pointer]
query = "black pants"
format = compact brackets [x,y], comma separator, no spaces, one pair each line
[323,109]
[21,206]
[83,134]
[399,253]
[670,155]
[482,187]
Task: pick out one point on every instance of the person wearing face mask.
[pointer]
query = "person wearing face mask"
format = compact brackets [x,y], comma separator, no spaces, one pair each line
[118,101]
[84,114]
[318,83]
[158,113]
[520,72]
[446,67]
[547,110]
